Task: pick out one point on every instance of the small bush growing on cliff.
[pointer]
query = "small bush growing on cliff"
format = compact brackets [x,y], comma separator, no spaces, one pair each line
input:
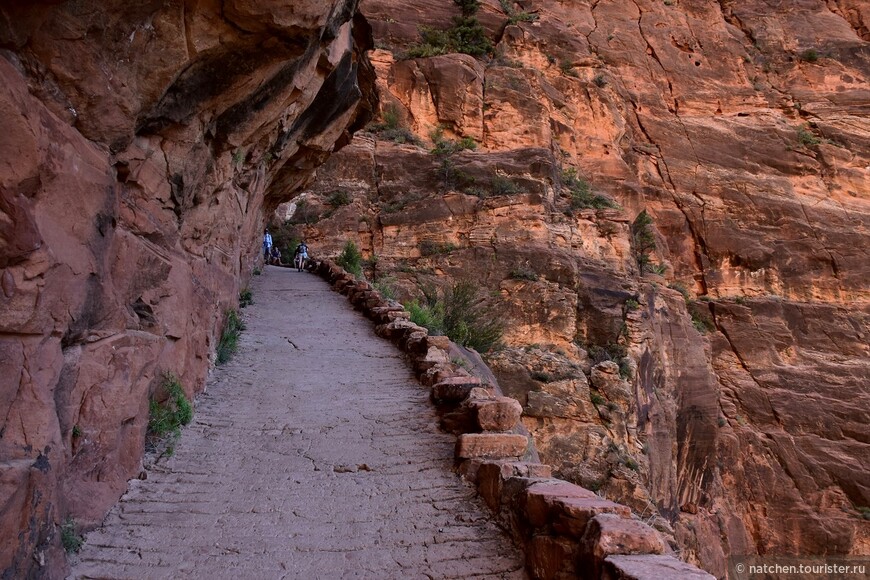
[391,128]
[581,193]
[523,273]
[229,341]
[167,417]
[513,15]
[810,55]
[567,67]
[462,314]
[807,138]
[466,35]
[502,185]
[71,540]
[446,147]
[385,285]
[339,198]
[432,248]
[351,259]
[643,241]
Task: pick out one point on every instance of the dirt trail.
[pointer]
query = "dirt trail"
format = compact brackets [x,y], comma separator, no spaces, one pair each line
[314,453]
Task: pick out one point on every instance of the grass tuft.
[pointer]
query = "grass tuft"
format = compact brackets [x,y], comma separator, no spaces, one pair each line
[229,341]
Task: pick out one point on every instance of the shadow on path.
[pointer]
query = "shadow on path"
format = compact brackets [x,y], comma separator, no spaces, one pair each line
[314,453]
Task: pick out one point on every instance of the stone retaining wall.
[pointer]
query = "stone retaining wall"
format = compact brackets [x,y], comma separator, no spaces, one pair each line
[567,531]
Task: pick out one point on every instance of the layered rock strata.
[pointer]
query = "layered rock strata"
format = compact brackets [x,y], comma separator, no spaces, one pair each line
[140,145]
[709,369]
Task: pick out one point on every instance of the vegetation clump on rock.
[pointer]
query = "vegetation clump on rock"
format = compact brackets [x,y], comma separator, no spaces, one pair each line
[229,337]
[167,416]
[466,36]
[581,193]
[460,313]
[351,259]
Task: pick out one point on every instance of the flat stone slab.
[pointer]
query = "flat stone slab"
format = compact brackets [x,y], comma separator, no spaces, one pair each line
[491,445]
[650,567]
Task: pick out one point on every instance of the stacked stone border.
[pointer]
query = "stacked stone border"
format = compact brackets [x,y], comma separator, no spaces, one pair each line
[566,531]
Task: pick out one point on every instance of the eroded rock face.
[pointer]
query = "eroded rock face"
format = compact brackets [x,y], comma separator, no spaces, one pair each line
[140,145]
[740,387]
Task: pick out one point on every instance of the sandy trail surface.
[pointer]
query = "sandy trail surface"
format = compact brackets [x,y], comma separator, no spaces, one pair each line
[313,453]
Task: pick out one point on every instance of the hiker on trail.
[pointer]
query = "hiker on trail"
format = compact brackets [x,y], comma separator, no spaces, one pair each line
[267,244]
[301,255]
[275,256]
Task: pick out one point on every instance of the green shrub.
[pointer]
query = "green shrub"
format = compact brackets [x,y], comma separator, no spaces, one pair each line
[611,352]
[391,128]
[624,369]
[461,314]
[351,259]
[701,324]
[447,147]
[643,241]
[429,316]
[632,464]
[246,298]
[229,341]
[385,287]
[238,157]
[167,417]
[596,399]
[339,198]
[432,248]
[567,68]
[466,36]
[523,274]
[599,80]
[581,193]
[681,289]
[631,304]
[502,185]
[542,376]
[807,138]
[810,55]
[71,540]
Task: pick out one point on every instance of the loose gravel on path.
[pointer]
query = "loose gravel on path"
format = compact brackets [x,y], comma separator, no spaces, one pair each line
[313,453]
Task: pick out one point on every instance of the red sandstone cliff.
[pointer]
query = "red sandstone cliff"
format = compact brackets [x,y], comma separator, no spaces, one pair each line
[140,144]
[734,414]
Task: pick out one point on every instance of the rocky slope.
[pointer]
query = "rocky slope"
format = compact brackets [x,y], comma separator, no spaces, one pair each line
[140,145]
[708,368]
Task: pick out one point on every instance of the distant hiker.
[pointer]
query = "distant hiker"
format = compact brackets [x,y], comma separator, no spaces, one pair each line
[267,244]
[300,255]
[275,256]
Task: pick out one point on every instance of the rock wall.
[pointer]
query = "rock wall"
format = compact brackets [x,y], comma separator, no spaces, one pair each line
[141,144]
[716,382]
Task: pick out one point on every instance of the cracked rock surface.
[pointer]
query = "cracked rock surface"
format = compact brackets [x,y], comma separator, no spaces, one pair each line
[319,461]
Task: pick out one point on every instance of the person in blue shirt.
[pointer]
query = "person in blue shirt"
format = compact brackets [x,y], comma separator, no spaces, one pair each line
[267,244]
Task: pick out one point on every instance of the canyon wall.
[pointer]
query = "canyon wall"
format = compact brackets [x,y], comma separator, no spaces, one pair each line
[708,368]
[141,144]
